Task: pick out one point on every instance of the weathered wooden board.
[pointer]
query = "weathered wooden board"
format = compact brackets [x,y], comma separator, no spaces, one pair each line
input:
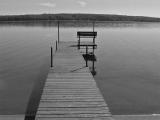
[70,91]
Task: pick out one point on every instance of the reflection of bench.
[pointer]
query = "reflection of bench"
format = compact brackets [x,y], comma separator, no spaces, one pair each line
[86,34]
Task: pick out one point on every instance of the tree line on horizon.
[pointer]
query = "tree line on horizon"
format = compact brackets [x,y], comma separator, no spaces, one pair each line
[85,17]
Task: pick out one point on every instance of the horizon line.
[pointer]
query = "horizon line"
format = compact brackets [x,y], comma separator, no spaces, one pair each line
[79,13]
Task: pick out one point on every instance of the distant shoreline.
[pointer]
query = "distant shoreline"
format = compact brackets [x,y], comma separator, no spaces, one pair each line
[32,21]
[77,17]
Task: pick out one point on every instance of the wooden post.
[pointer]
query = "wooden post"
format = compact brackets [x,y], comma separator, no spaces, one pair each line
[56,45]
[51,56]
[58,31]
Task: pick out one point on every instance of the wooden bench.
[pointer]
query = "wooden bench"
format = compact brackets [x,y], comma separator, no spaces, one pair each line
[86,34]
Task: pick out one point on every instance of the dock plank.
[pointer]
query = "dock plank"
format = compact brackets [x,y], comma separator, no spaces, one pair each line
[70,91]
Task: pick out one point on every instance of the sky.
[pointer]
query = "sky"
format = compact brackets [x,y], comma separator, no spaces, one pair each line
[122,7]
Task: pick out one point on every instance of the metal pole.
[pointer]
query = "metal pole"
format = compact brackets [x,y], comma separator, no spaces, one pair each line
[51,56]
[58,31]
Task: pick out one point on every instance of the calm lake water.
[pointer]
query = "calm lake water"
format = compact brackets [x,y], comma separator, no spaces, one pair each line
[127,66]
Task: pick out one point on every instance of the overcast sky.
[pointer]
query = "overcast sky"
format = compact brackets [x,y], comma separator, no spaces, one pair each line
[125,7]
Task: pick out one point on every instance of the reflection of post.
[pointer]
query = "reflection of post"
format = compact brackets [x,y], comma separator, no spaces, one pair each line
[58,31]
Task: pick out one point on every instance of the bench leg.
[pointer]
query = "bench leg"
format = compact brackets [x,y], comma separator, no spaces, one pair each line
[94,40]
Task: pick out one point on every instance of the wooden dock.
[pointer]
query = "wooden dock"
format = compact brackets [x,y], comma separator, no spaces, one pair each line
[70,91]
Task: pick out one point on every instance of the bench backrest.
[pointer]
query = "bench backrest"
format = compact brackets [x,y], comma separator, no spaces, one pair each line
[86,34]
